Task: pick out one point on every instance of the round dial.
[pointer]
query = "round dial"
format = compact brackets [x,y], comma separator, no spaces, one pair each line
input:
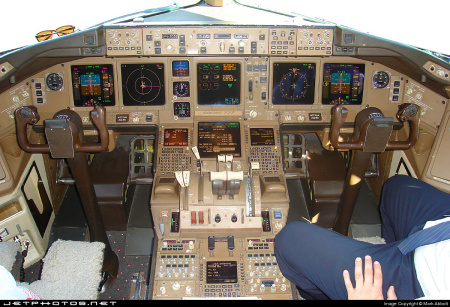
[381,79]
[181,89]
[54,82]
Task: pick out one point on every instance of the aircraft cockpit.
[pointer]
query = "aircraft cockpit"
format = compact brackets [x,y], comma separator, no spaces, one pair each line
[186,138]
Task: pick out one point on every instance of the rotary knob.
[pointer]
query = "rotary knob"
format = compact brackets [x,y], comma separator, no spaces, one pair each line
[176,286]
[253,113]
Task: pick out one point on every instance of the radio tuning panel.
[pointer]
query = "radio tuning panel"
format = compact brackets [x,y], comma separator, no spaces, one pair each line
[218,267]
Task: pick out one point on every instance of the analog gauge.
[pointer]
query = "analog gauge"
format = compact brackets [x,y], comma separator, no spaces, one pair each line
[182,109]
[181,89]
[54,82]
[381,79]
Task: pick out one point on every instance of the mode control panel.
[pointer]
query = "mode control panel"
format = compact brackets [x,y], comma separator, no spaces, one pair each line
[258,41]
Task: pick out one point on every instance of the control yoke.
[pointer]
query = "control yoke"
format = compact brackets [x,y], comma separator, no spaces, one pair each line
[371,134]
[66,125]
[368,120]
[64,134]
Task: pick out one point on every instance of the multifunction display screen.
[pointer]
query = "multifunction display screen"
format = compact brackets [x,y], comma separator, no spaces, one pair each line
[180,68]
[93,85]
[143,84]
[293,83]
[219,138]
[343,83]
[176,137]
[262,136]
[221,272]
[219,83]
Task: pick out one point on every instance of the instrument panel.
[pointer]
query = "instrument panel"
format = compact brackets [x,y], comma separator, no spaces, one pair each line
[154,75]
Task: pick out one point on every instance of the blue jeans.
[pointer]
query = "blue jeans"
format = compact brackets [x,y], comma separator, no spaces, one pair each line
[314,258]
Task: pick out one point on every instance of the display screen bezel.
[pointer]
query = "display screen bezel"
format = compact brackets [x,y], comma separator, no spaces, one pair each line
[203,140]
[355,84]
[221,272]
[154,77]
[181,136]
[303,74]
[259,138]
[90,100]
[226,90]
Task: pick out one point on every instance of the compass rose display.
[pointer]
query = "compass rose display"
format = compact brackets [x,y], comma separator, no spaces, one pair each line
[143,84]
[294,83]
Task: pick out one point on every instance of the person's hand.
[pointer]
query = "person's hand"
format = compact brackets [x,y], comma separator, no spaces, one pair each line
[368,285]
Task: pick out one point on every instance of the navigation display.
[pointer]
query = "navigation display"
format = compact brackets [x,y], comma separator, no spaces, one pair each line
[219,138]
[93,85]
[143,84]
[175,137]
[262,136]
[219,83]
[293,83]
[343,83]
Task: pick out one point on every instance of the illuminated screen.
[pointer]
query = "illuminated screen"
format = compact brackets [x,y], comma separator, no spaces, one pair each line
[219,138]
[343,83]
[219,84]
[93,85]
[221,272]
[143,84]
[262,136]
[180,68]
[175,137]
[293,83]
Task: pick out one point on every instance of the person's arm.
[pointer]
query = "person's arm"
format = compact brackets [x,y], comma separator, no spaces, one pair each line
[368,284]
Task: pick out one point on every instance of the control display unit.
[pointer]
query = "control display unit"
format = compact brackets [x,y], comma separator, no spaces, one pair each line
[219,272]
[343,83]
[293,83]
[143,84]
[219,83]
[93,85]
[262,136]
[175,137]
[216,138]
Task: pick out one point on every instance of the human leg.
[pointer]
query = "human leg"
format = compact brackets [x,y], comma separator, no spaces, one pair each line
[407,204]
[314,258]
